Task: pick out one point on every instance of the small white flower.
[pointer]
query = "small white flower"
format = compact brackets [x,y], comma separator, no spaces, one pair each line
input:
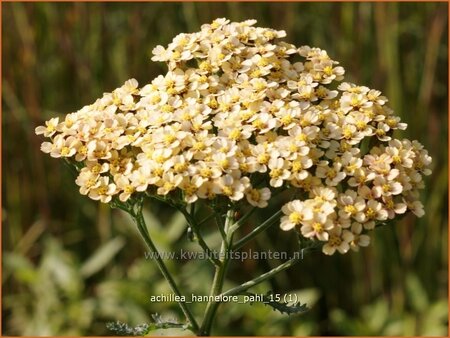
[49,129]
[295,212]
[258,197]
[338,240]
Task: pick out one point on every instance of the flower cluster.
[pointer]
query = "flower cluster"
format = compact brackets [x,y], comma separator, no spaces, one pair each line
[238,115]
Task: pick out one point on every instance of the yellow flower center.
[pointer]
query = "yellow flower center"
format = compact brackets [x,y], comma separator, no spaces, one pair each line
[169,138]
[225,164]
[167,108]
[96,168]
[275,173]
[286,120]
[302,137]
[370,213]
[227,191]
[296,217]
[390,204]
[297,166]
[102,190]
[380,132]
[361,125]
[90,183]
[158,171]
[269,35]
[263,158]
[396,159]
[243,167]
[82,150]
[350,209]
[235,134]
[205,66]
[155,99]
[347,132]
[258,124]
[206,172]
[335,240]
[255,73]
[318,227]
[129,189]
[392,123]
[176,54]
[225,107]
[213,104]
[255,195]
[190,189]
[328,70]
[321,92]
[168,186]
[199,145]
[180,167]
[65,151]
[160,159]
[331,173]
[354,102]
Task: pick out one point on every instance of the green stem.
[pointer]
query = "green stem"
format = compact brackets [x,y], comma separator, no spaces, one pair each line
[240,243]
[206,219]
[140,222]
[219,277]
[247,285]
[194,225]
[242,220]
[220,225]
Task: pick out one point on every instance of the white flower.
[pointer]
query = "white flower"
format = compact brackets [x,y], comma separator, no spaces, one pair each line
[317,227]
[87,180]
[278,172]
[103,191]
[258,197]
[49,129]
[124,186]
[296,212]
[231,187]
[351,205]
[338,240]
[359,239]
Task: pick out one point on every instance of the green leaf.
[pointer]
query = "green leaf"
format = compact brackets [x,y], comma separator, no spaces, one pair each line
[102,257]
[158,328]
[176,227]
[416,293]
[20,266]
[285,308]
[435,320]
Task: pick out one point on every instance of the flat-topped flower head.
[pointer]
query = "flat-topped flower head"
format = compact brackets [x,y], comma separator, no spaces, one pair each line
[241,114]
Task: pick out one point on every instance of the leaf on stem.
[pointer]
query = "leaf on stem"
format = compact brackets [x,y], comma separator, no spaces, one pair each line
[284,308]
[123,329]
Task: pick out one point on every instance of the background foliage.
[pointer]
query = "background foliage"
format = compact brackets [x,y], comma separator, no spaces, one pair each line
[70,264]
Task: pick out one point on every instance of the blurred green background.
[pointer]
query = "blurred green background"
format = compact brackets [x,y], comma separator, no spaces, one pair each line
[70,264]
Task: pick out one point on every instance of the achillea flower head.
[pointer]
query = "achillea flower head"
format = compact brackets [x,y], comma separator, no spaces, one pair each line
[237,117]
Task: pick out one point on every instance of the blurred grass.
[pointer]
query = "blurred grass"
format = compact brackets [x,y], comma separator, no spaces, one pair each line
[58,57]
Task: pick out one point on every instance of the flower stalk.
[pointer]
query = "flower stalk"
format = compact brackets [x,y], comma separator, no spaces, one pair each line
[219,276]
[142,227]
